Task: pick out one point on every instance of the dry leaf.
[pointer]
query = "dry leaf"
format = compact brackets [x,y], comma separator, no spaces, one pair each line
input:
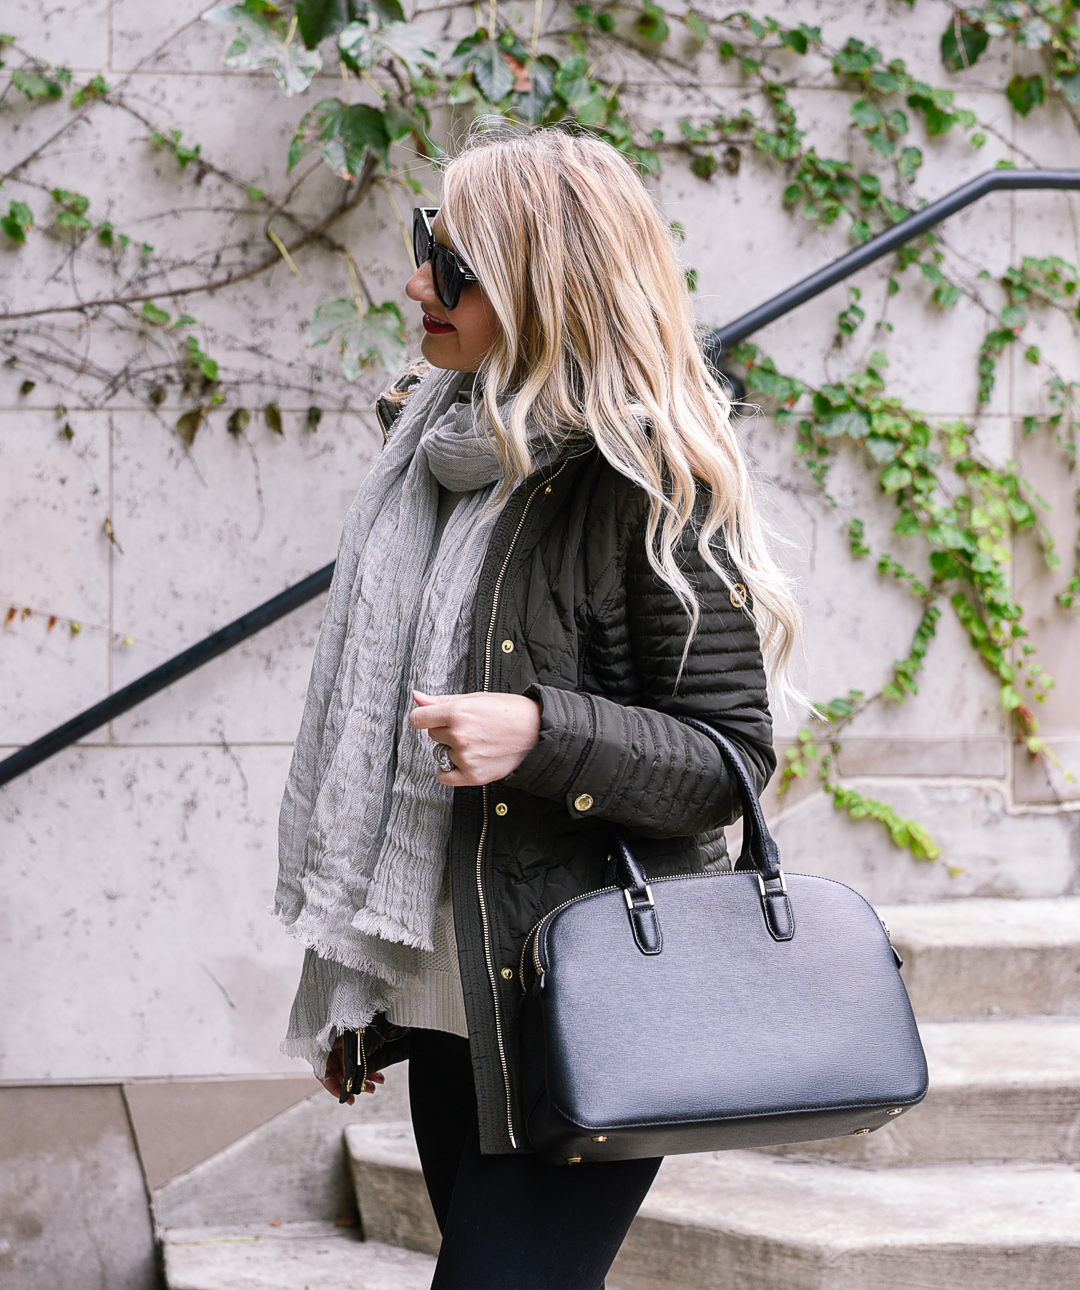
[188,425]
[522,78]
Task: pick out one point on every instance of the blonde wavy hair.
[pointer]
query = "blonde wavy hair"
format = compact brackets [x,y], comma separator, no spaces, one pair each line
[598,332]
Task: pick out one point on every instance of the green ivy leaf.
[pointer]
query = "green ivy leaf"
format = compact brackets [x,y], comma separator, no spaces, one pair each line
[652,24]
[946,295]
[96,88]
[853,423]
[363,338]
[704,165]
[1026,92]
[344,135]
[958,54]
[572,83]
[895,477]
[71,219]
[856,59]
[699,28]
[1036,32]
[866,115]
[593,112]
[1070,86]
[491,71]
[909,162]
[260,42]
[795,40]
[887,82]
[206,365]
[35,85]
[1010,698]
[17,221]
[881,448]
[363,44]
[153,314]
[320,19]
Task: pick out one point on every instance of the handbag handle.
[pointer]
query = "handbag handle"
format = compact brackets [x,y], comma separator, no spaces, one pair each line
[759,851]
[759,855]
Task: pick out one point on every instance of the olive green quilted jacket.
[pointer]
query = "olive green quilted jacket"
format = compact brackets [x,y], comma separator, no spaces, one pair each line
[570,612]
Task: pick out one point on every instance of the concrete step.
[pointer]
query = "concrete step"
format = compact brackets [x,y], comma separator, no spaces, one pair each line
[755,1221]
[389,1186]
[983,957]
[295,1256]
[1003,1090]
[749,1221]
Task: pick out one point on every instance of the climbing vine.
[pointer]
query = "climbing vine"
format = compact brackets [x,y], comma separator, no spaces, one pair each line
[380,130]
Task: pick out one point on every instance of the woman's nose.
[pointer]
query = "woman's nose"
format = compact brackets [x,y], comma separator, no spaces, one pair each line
[420,287]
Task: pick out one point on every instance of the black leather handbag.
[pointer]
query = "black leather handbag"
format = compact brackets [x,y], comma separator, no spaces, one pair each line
[713,1011]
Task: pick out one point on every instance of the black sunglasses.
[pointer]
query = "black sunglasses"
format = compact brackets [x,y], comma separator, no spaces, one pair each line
[449,270]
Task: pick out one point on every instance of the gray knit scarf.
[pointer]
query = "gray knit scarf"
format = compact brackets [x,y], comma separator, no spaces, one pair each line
[365,822]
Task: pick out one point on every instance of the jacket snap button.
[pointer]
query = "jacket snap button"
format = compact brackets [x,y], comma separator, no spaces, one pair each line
[501,808]
[507,974]
[583,802]
[508,647]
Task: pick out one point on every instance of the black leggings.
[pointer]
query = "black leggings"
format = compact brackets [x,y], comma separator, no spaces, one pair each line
[510,1222]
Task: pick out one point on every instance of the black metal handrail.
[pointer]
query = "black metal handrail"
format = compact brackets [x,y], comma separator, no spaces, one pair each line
[723,337]
[905,231]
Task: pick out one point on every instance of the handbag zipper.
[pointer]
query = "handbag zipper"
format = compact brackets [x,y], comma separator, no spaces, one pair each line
[534,934]
[485,922]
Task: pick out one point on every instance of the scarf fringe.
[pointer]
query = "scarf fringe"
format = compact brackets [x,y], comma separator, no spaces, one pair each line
[309,934]
[384,928]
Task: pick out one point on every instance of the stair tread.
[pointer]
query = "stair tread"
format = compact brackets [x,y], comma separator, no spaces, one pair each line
[819,1202]
[390,1143]
[1007,1052]
[316,1256]
[986,922]
[829,1204]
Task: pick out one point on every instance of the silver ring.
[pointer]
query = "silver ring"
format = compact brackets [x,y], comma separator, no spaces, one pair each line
[443,758]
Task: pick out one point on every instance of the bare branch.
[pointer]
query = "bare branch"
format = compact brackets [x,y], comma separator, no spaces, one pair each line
[230,279]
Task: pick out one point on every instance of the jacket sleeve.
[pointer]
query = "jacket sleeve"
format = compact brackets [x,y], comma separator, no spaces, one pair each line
[633,763]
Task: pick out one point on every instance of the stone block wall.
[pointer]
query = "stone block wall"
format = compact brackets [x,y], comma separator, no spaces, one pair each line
[139,866]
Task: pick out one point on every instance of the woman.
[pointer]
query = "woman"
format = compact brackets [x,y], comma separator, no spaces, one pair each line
[556,553]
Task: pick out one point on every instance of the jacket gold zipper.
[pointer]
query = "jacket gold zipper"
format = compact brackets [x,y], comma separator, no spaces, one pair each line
[485,922]
[361,1061]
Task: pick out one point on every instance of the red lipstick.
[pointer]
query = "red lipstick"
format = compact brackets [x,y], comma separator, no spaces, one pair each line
[437,327]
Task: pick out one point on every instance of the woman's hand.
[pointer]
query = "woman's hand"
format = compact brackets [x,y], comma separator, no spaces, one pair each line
[488,734]
[335,1072]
